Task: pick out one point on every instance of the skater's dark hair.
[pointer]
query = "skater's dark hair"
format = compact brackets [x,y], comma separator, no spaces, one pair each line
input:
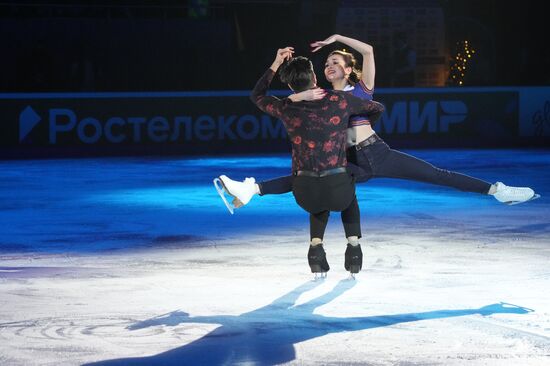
[350,61]
[298,73]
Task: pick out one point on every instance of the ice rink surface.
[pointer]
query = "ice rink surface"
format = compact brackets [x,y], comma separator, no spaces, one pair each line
[135,261]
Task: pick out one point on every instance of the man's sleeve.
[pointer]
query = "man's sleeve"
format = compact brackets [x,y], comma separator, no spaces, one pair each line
[370,108]
[268,104]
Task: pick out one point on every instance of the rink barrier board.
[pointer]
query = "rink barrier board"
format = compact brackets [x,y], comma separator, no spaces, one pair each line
[226,122]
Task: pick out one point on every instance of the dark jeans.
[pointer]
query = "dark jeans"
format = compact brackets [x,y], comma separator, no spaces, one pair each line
[379,161]
[319,196]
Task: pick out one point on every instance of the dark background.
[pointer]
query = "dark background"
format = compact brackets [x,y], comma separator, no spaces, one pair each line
[225,45]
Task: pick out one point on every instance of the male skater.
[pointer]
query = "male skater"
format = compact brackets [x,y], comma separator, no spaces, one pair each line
[317,131]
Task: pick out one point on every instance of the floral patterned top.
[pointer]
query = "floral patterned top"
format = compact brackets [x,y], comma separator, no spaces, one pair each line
[316,129]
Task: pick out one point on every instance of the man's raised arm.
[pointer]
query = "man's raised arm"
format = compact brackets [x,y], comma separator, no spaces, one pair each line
[270,104]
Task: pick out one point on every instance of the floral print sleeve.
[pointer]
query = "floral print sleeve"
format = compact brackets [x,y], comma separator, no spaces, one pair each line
[269,104]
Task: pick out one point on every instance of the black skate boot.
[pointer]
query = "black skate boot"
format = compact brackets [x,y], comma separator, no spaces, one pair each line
[354,259]
[317,259]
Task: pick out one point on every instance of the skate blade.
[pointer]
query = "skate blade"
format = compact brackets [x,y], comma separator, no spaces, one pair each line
[319,276]
[218,184]
[535,196]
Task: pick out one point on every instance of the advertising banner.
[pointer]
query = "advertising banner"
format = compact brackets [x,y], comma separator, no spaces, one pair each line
[94,124]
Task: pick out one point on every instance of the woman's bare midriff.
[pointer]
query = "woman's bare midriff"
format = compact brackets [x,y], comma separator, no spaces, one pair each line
[358,134]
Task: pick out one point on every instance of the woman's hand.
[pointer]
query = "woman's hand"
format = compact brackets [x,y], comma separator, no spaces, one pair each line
[308,95]
[283,54]
[320,44]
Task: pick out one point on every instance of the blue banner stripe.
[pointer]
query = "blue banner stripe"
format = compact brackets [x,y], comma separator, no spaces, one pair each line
[235,93]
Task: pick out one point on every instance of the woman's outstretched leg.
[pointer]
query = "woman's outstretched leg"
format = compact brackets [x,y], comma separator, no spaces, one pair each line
[384,162]
[404,166]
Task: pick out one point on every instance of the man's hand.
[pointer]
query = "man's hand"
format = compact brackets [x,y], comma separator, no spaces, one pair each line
[283,54]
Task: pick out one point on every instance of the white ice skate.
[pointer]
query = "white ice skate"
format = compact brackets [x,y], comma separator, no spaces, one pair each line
[241,192]
[514,195]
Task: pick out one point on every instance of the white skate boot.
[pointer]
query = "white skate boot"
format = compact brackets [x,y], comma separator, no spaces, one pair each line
[514,195]
[241,192]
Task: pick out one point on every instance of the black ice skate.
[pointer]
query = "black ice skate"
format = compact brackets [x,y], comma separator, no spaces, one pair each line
[317,259]
[354,259]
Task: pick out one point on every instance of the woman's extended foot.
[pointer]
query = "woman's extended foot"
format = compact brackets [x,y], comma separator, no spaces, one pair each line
[513,195]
